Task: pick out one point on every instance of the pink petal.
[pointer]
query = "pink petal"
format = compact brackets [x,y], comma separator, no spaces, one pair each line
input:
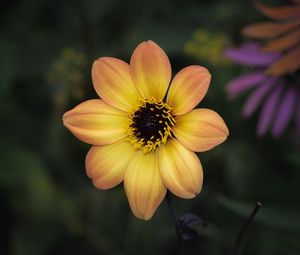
[257,96]
[250,54]
[298,112]
[244,82]
[268,110]
[285,112]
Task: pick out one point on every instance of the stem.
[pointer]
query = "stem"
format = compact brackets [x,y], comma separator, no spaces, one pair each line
[176,222]
[244,228]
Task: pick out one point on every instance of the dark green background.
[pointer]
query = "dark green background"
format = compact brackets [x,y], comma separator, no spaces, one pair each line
[49,206]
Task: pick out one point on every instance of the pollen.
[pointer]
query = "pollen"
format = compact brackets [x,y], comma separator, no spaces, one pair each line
[150,124]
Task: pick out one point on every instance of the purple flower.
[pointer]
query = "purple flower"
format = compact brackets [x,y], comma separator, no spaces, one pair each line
[278,97]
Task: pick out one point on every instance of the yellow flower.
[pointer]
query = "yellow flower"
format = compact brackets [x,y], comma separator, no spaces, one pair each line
[140,138]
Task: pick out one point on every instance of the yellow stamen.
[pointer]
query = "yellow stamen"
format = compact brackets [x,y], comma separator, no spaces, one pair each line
[150,116]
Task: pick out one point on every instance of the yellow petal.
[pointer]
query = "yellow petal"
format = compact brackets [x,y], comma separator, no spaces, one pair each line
[200,130]
[143,185]
[150,70]
[95,122]
[106,164]
[112,82]
[180,169]
[188,88]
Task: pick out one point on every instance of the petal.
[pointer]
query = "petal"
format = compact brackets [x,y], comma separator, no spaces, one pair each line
[268,30]
[102,166]
[298,113]
[244,82]
[250,54]
[287,64]
[188,88]
[283,43]
[143,185]
[285,112]
[267,112]
[257,96]
[113,83]
[150,70]
[95,122]
[279,12]
[200,130]
[180,169]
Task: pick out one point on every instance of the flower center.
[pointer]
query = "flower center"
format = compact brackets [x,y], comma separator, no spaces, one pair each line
[150,125]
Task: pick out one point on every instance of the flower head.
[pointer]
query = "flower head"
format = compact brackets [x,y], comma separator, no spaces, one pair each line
[142,136]
[283,36]
[275,62]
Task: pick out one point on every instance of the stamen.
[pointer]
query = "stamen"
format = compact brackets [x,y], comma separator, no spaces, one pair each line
[150,125]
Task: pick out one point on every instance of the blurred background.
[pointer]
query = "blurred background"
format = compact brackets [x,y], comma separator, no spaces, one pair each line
[47,203]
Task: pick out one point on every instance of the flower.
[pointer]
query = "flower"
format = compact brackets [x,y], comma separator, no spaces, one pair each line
[282,36]
[140,138]
[278,97]
[275,78]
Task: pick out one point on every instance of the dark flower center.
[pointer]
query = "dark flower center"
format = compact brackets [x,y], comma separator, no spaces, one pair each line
[151,125]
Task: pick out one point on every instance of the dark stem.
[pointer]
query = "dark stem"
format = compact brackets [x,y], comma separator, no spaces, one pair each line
[176,222]
[244,228]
